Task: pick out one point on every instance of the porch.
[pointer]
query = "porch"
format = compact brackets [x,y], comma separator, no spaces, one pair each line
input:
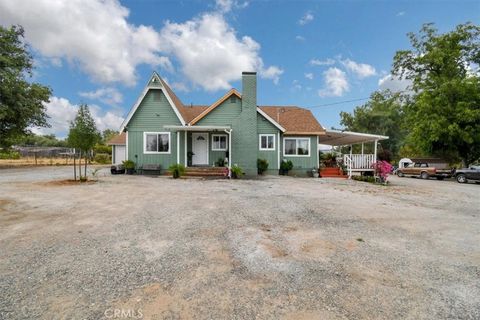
[353,162]
[203,146]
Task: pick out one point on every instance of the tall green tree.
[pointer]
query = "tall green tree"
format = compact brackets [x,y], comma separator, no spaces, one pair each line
[108,134]
[381,114]
[444,116]
[21,102]
[83,135]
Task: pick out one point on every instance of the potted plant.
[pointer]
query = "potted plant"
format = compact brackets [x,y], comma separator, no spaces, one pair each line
[190,154]
[177,170]
[262,165]
[129,166]
[237,172]
[220,162]
[286,166]
[329,159]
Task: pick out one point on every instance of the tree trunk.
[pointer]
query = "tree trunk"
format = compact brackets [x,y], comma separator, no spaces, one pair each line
[86,159]
[74,167]
[80,164]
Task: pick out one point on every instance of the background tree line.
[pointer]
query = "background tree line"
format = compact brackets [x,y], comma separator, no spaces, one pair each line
[439,113]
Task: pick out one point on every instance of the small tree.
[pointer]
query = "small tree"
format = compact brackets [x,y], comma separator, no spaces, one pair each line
[83,135]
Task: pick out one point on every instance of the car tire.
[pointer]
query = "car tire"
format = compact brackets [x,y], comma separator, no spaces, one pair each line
[424,175]
[400,174]
[461,178]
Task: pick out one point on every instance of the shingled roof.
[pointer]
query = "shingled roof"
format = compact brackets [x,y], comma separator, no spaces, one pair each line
[120,139]
[294,119]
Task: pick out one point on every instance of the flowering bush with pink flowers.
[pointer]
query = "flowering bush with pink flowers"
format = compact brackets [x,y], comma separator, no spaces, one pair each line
[382,169]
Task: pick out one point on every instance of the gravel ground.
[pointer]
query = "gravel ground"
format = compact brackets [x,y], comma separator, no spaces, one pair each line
[275,248]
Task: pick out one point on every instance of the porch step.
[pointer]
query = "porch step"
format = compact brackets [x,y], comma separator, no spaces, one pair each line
[332,173]
[205,171]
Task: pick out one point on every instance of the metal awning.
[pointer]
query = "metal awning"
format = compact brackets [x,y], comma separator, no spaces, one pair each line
[198,128]
[344,138]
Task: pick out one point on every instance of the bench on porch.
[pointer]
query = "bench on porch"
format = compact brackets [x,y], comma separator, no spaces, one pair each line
[150,167]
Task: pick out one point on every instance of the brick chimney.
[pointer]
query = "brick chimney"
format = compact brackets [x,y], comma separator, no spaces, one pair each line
[244,134]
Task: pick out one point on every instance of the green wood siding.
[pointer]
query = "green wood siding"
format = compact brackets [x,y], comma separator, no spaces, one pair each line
[266,127]
[303,165]
[153,113]
[214,155]
[222,115]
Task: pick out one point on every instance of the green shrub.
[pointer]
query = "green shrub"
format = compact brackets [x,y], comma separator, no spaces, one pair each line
[9,155]
[177,170]
[237,172]
[101,148]
[286,166]
[102,158]
[129,164]
[262,165]
[370,179]
[220,162]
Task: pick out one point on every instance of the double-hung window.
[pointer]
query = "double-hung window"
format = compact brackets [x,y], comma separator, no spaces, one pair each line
[299,147]
[219,142]
[156,142]
[267,142]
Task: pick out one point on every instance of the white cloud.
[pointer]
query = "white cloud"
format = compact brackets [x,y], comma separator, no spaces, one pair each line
[93,35]
[300,38]
[225,6]
[307,17]
[110,96]
[309,75]
[62,112]
[393,84]
[210,53]
[272,72]
[326,62]
[401,13]
[362,70]
[96,37]
[296,85]
[336,83]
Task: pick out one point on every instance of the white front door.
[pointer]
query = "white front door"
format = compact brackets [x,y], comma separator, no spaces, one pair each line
[200,148]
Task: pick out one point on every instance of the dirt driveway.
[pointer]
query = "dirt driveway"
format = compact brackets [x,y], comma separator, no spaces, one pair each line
[276,248]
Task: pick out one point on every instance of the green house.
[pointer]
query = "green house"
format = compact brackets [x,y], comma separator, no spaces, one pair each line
[161,130]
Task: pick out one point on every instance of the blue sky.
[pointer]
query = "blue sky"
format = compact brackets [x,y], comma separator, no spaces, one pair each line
[306,53]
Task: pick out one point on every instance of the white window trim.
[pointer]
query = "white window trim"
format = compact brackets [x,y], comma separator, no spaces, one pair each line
[157,152]
[260,142]
[226,142]
[297,155]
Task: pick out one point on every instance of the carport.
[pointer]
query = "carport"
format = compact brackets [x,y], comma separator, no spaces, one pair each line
[354,162]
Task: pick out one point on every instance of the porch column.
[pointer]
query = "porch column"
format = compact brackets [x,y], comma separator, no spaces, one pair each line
[230,157]
[351,163]
[178,147]
[185,145]
[362,148]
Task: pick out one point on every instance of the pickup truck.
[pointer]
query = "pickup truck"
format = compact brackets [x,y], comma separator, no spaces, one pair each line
[424,171]
[471,173]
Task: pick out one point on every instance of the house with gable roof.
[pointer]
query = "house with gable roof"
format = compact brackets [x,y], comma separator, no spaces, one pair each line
[161,130]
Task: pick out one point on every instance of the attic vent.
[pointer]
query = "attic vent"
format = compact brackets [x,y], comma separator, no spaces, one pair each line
[233,99]
[157,95]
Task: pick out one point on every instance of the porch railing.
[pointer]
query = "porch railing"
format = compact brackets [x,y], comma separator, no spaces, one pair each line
[358,162]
